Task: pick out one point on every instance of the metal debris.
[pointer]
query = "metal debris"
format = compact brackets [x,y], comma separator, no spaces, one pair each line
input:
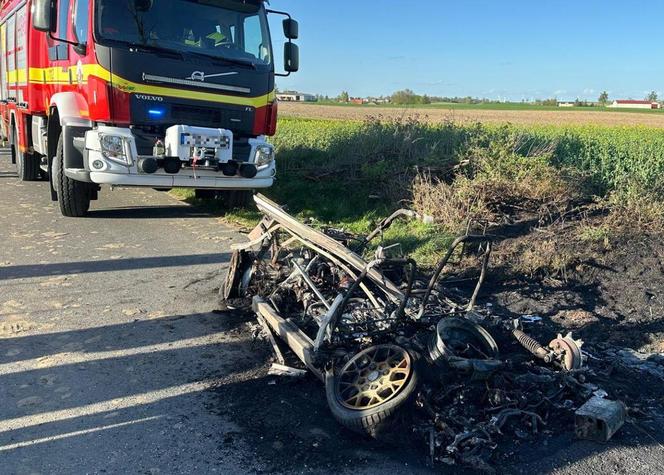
[564,352]
[384,337]
[278,355]
[461,345]
[282,370]
[599,419]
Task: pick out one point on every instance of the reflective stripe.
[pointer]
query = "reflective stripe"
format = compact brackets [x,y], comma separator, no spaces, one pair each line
[17,76]
[71,75]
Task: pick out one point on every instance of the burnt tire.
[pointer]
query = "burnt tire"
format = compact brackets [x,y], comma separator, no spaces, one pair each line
[27,165]
[231,293]
[236,198]
[73,196]
[380,421]
[240,262]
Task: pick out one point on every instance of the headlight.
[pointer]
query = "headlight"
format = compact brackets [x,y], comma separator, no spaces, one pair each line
[264,155]
[114,148]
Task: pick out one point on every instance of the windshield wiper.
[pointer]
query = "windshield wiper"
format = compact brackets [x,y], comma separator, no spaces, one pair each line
[156,49]
[224,59]
[181,53]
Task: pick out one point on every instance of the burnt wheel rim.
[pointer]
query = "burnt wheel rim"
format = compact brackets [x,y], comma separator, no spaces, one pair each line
[373,377]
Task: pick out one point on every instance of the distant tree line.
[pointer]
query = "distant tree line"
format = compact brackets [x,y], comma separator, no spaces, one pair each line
[547,102]
[409,97]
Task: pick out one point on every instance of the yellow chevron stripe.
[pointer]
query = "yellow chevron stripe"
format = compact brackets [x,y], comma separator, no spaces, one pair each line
[58,75]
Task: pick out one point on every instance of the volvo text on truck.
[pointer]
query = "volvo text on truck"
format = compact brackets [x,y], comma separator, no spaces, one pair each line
[150,93]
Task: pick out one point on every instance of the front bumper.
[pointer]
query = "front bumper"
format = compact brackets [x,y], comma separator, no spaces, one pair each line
[101,169]
[182,180]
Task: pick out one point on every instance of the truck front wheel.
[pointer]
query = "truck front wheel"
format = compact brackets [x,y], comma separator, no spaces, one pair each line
[73,196]
[27,165]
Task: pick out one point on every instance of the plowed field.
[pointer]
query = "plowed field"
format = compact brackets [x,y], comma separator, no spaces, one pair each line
[436,115]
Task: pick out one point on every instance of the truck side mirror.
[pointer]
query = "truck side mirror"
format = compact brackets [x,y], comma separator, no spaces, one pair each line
[44,15]
[291,50]
[291,57]
[291,29]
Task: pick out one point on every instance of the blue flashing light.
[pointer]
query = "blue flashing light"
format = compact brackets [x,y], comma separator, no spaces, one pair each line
[156,112]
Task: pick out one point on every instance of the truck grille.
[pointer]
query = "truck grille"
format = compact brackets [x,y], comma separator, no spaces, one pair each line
[241,151]
[238,118]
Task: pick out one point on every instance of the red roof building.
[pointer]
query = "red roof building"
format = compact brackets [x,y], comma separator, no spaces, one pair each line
[633,104]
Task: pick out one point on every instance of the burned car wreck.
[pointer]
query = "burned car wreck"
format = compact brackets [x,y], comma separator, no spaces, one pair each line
[397,347]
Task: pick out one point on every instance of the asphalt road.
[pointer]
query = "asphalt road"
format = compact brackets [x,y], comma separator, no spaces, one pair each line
[108,347]
[112,359]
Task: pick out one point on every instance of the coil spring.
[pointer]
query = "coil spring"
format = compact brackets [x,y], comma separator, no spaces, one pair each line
[529,343]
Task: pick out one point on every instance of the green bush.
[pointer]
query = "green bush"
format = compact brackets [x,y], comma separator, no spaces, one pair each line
[378,154]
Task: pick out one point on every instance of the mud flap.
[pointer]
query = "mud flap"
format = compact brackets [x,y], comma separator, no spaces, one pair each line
[73,135]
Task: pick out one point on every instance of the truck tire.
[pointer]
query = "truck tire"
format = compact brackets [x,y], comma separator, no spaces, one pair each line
[73,196]
[236,198]
[376,420]
[27,165]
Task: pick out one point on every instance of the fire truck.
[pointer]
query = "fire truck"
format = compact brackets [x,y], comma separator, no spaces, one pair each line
[146,93]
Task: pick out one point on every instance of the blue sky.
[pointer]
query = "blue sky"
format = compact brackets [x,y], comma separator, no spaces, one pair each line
[501,49]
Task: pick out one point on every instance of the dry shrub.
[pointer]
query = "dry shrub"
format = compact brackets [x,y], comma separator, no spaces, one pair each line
[636,210]
[450,205]
[538,256]
[515,177]
[503,182]
[500,182]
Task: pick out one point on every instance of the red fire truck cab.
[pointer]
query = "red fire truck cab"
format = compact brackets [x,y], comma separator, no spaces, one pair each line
[151,93]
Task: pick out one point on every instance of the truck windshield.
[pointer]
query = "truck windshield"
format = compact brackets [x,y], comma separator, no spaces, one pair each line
[229,29]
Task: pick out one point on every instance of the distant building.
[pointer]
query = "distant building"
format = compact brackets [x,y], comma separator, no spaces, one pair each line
[566,104]
[376,100]
[632,104]
[357,100]
[292,96]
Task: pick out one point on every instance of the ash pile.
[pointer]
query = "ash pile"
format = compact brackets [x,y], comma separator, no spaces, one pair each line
[405,354]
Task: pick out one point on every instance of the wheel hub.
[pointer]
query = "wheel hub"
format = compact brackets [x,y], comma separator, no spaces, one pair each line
[373,377]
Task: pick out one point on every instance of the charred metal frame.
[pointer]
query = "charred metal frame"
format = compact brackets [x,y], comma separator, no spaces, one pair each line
[313,289]
[389,301]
